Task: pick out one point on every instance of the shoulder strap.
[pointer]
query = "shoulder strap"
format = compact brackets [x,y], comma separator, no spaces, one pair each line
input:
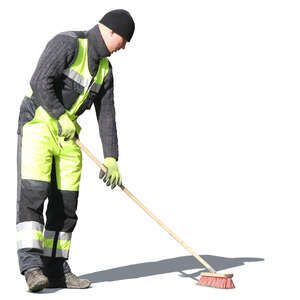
[102,70]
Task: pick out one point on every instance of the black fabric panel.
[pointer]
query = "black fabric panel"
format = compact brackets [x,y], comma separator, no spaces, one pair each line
[31,200]
[26,114]
[55,267]
[55,244]
[67,91]
[61,209]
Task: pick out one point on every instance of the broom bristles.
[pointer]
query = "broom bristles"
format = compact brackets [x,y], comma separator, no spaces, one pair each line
[216,282]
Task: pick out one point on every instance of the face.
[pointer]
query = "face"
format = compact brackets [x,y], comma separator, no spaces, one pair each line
[115,42]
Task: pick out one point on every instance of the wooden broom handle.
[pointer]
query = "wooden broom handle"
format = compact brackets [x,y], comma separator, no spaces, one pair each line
[147,211]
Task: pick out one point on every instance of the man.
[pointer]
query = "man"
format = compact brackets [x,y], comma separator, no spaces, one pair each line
[72,74]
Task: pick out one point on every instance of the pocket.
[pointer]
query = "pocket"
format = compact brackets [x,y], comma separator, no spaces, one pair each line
[68,91]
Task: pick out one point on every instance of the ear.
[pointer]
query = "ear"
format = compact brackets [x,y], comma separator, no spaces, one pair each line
[111,32]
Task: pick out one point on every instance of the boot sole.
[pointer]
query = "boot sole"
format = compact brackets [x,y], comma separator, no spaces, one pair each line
[77,287]
[68,286]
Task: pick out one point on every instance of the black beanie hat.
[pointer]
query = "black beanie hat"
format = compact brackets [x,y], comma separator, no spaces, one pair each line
[120,21]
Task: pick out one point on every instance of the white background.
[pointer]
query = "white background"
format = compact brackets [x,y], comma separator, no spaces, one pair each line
[207,108]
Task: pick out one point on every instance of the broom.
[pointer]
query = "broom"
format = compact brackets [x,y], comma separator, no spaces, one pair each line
[212,278]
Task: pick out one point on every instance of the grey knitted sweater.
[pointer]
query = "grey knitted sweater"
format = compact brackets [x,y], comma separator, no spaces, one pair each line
[59,54]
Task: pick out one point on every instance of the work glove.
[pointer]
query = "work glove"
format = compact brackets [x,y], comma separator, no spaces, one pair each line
[66,127]
[112,174]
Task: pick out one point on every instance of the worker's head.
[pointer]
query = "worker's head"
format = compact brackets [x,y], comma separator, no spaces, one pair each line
[117,28]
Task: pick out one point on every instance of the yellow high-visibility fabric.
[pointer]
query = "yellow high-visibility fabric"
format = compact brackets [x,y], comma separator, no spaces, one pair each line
[40,143]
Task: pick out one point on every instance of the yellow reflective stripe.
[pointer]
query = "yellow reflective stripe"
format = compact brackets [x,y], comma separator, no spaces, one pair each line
[63,242]
[38,235]
[63,245]
[48,243]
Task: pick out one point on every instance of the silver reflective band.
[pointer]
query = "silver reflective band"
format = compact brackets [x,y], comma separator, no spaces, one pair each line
[47,252]
[77,77]
[58,252]
[29,244]
[49,234]
[28,225]
[62,253]
[30,235]
[66,236]
[63,241]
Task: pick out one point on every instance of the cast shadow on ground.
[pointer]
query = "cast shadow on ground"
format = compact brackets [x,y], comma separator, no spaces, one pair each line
[177,264]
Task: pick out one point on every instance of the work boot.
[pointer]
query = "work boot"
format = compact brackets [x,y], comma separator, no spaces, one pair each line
[70,281]
[35,279]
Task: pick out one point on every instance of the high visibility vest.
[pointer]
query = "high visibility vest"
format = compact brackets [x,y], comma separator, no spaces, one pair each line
[78,72]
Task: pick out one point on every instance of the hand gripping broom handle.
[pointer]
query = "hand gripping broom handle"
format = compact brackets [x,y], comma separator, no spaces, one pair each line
[147,211]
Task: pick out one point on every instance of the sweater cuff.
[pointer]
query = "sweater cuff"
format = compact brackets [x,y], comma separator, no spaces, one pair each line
[110,147]
[56,113]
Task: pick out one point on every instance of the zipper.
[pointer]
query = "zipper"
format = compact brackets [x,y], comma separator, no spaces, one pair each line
[91,84]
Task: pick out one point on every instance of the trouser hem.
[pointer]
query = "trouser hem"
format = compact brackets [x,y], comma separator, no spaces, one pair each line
[22,271]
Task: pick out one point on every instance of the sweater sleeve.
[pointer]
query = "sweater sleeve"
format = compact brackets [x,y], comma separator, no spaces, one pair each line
[56,57]
[105,113]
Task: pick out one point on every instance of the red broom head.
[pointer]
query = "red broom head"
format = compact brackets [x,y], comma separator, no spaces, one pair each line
[216,282]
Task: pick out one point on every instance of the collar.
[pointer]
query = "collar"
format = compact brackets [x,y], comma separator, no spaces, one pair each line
[96,49]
